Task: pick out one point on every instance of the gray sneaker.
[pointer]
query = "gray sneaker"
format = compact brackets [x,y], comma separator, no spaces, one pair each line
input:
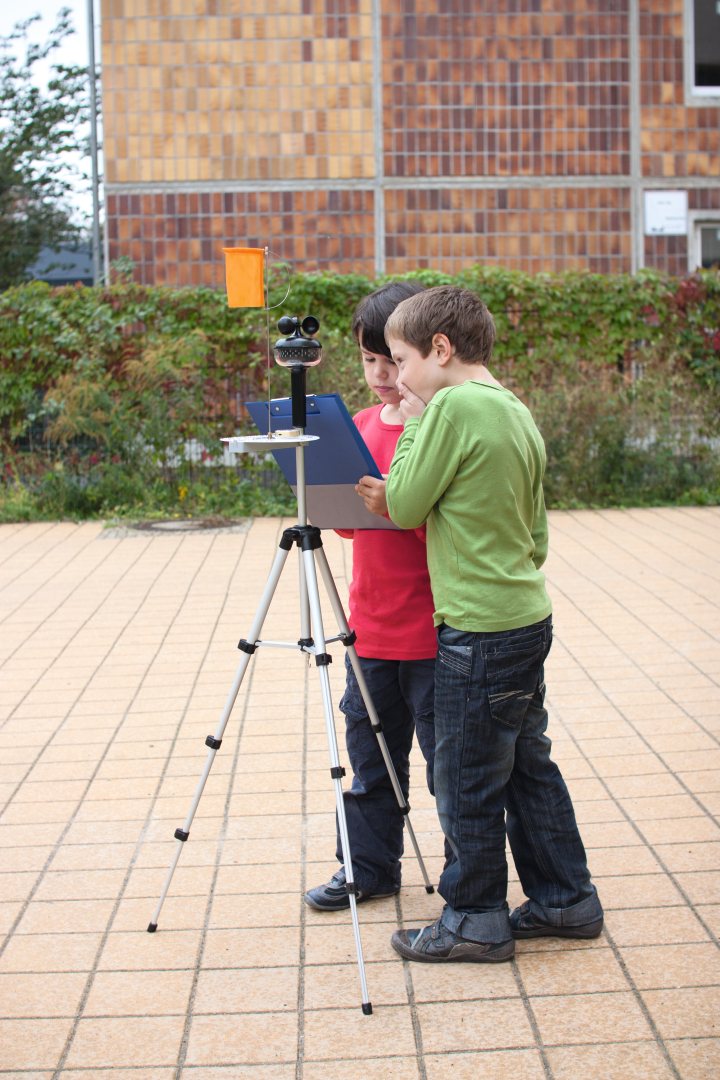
[437,945]
[526,924]
[334,897]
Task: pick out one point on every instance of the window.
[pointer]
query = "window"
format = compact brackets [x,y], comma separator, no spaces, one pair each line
[709,245]
[706,46]
[703,239]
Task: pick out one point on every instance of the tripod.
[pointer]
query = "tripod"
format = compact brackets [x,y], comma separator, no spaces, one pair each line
[313,642]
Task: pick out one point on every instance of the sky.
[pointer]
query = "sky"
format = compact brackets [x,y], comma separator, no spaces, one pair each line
[73,51]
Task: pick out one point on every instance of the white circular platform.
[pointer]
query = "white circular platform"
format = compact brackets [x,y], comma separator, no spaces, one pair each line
[247,444]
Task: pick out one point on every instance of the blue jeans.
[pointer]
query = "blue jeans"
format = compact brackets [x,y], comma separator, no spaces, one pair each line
[403,694]
[492,758]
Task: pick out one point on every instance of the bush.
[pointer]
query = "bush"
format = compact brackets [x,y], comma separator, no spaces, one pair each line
[113,400]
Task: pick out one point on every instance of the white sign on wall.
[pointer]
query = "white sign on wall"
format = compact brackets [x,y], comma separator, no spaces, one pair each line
[666,213]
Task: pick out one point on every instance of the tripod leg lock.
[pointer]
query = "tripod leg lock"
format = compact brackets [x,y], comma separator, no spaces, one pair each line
[311,538]
[337,771]
[351,888]
[306,537]
[213,743]
[323,659]
[376,727]
[180,834]
[245,646]
[349,639]
[405,809]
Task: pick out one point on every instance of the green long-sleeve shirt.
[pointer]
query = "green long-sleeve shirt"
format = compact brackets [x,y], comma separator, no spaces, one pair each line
[472,467]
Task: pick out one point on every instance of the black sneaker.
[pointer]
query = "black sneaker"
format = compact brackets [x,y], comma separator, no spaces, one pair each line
[437,945]
[333,897]
[526,924]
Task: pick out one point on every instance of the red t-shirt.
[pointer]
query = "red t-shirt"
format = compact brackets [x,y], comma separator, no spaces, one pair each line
[391,604]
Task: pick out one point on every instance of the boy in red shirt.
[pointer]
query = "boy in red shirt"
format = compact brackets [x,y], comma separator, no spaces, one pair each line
[391,611]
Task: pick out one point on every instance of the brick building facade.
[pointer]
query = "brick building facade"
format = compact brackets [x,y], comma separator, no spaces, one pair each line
[387,135]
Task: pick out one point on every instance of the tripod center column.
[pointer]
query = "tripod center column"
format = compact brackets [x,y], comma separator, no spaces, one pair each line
[300,470]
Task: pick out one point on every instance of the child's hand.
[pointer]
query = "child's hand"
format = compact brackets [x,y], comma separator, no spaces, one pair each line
[411,404]
[372,491]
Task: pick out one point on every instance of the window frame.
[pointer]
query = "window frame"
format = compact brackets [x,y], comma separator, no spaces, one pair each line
[694,95]
[697,220]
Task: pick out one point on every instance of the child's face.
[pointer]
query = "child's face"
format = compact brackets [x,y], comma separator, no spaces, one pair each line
[381,376]
[419,374]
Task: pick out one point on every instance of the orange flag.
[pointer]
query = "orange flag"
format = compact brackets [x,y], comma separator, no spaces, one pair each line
[244,276]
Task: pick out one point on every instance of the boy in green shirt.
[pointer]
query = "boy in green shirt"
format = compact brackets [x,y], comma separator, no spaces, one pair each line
[470,462]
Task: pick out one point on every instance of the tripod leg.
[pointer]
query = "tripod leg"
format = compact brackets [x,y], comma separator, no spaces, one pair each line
[305,629]
[335,769]
[339,612]
[214,741]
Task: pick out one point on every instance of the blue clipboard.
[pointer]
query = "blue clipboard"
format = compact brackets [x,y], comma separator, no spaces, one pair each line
[333,464]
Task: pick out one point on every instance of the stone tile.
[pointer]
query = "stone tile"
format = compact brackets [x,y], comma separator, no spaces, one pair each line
[255,910]
[696,1059]
[120,1074]
[638,890]
[79,885]
[33,1044]
[50,952]
[474,1025]
[241,990]
[588,1018]
[624,1061]
[673,965]
[139,993]
[635,787]
[654,926]
[241,1039]
[16,886]
[253,879]
[126,1042]
[178,913]
[370,1068]
[335,944]
[65,917]
[41,995]
[140,951]
[489,1065]
[693,830]
[611,862]
[710,914]
[336,985]
[693,1012]
[276,947]
[462,982]
[585,972]
[337,1033]
[701,888]
[687,857]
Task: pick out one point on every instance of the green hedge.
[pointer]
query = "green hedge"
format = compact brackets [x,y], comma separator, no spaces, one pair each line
[100,389]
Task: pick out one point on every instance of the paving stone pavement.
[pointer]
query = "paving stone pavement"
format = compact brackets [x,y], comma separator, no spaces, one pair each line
[117,654]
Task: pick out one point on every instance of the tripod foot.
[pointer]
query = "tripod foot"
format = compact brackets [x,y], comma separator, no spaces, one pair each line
[429,889]
[152,927]
[367,1008]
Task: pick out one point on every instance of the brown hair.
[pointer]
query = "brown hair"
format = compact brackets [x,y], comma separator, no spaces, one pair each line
[373,311]
[458,313]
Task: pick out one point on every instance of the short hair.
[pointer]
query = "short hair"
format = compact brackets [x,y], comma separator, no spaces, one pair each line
[373,311]
[458,313]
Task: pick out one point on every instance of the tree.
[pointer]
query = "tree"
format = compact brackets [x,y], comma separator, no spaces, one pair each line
[38,130]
